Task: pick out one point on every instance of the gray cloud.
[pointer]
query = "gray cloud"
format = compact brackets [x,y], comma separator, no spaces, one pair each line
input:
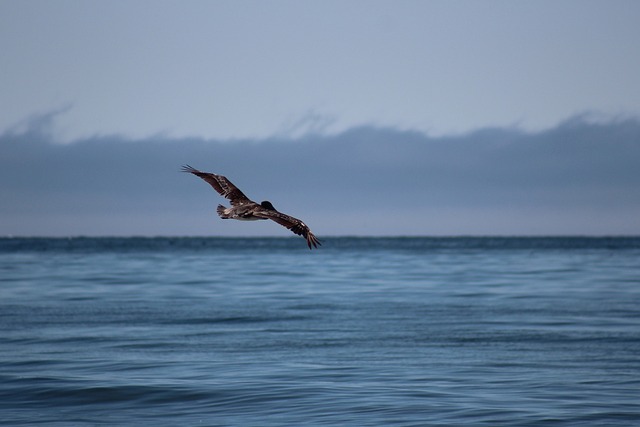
[577,178]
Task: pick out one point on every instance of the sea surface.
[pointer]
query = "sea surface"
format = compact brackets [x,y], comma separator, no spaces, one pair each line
[361,332]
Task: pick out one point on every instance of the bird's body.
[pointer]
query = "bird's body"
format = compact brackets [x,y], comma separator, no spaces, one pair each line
[244,209]
[245,212]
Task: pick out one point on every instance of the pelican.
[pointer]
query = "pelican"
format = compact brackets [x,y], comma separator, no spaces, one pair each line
[244,209]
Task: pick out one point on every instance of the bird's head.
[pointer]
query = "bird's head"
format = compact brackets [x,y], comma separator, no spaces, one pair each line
[267,205]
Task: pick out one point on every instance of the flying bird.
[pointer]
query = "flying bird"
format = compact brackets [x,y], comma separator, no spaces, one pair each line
[244,209]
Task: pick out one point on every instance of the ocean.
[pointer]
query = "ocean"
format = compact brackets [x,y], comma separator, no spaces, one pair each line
[361,332]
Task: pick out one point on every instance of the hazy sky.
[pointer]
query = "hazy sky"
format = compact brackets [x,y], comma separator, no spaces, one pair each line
[360,117]
[220,69]
[576,178]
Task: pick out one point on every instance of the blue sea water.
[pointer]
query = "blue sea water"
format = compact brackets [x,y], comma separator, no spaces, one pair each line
[362,332]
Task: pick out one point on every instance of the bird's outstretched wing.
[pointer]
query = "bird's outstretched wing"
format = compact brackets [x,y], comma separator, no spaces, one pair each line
[293,224]
[221,184]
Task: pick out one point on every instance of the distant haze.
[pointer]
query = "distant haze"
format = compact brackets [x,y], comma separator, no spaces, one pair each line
[580,177]
[361,117]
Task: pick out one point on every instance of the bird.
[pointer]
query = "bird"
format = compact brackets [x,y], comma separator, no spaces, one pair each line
[244,209]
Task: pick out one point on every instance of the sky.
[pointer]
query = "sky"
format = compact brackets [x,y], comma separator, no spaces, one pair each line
[367,117]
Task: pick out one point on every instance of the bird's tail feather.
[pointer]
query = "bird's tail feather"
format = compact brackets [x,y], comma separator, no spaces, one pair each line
[221,212]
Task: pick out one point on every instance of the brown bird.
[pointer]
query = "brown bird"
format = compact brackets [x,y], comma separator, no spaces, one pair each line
[244,209]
